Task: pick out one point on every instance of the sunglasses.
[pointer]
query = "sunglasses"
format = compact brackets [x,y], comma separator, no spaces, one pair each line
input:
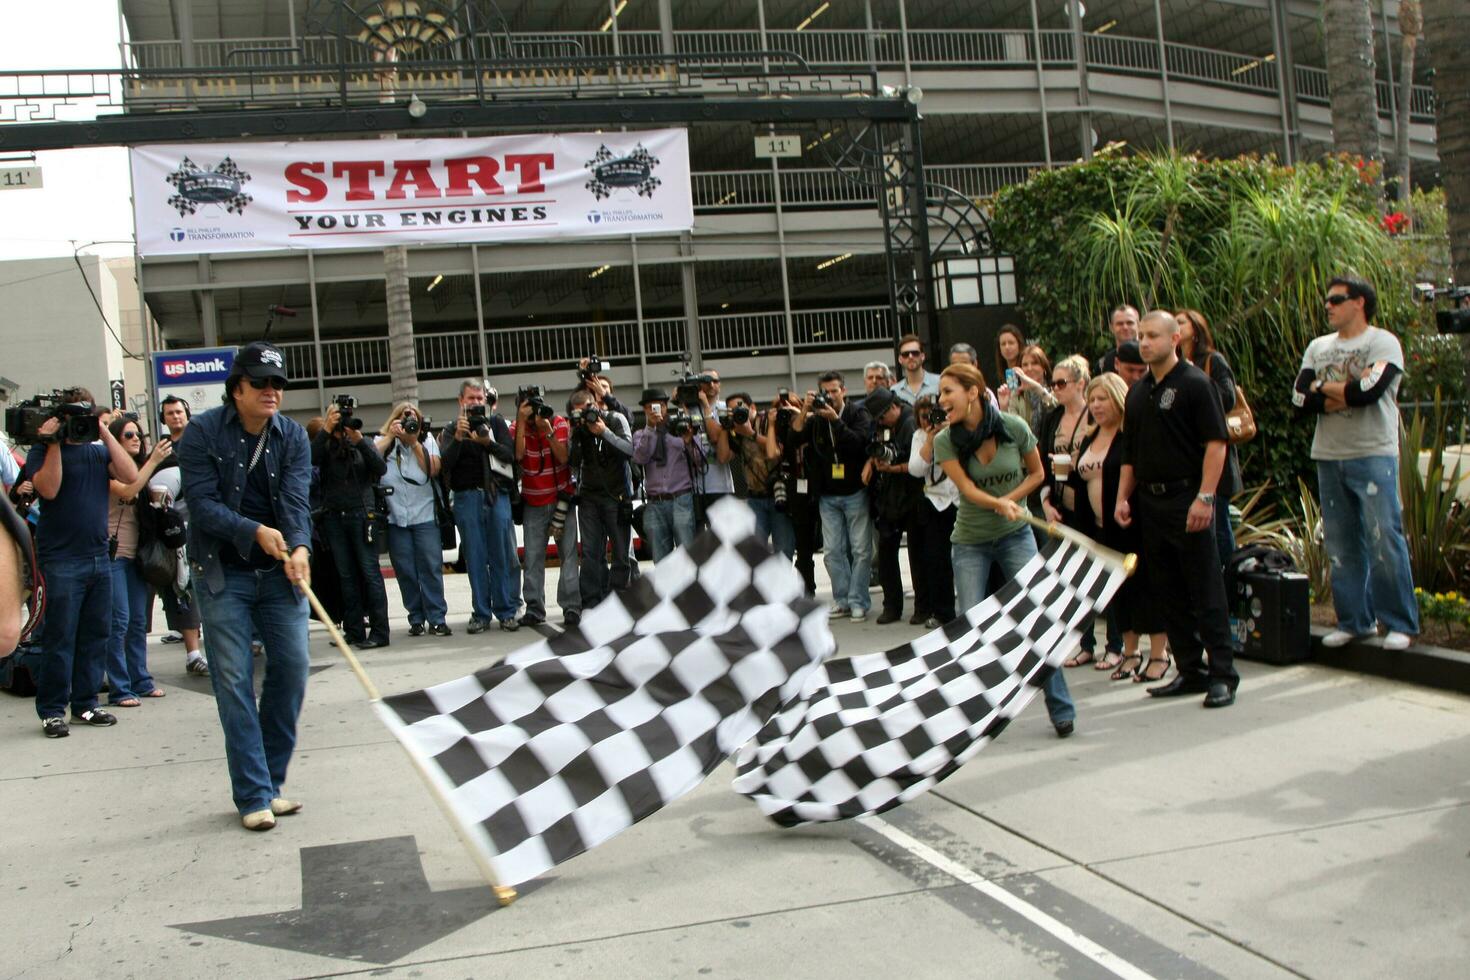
[1060,382]
[132,434]
[910,353]
[260,384]
[1337,299]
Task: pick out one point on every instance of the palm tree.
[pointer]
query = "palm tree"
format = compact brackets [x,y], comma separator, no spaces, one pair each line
[1411,23]
[402,361]
[1444,33]
[1347,27]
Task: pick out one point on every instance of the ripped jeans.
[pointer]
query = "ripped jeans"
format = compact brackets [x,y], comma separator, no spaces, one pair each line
[1364,525]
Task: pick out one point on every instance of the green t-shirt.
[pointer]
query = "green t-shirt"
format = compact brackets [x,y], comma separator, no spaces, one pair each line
[981,525]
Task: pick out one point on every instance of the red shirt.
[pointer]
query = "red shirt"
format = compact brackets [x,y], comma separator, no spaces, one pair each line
[542,477]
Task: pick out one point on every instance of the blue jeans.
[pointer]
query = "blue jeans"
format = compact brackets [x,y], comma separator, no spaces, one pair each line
[74,638]
[536,529]
[488,542]
[971,570]
[1364,524]
[669,524]
[417,554]
[258,739]
[847,548]
[127,646]
[773,525]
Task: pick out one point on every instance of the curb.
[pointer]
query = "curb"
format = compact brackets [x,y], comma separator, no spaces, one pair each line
[1437,667]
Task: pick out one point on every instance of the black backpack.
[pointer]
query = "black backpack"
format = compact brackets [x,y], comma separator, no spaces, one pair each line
[1255,558]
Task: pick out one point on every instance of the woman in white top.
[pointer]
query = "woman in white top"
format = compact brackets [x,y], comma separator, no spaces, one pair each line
[414,544]
[929,537]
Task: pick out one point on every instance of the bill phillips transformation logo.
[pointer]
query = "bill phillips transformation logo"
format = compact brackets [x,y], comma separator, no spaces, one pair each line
[196,187]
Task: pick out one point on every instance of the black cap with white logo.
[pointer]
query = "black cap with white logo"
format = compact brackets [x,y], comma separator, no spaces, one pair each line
[259,360]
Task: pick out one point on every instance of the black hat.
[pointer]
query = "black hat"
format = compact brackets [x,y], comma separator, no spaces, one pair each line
[652,395]
[1128,352]
[879,400]
[259,360]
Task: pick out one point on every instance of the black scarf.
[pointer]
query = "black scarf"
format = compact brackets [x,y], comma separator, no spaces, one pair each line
[967,442]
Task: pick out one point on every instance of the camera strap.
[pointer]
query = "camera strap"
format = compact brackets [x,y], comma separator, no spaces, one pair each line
[398,462]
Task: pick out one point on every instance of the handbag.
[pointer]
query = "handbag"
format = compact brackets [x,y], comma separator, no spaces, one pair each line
[444,518]
[1240,421]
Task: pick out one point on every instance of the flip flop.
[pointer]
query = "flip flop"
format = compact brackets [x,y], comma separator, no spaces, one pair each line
[1082,658]
[125,703]
[157,692]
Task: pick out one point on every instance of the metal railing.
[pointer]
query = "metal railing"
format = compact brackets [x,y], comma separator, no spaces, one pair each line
[843,49]
[747,334]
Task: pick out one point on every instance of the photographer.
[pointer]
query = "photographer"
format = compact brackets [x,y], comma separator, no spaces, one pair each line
[350,467]
[757,473]
[479,458]
[791,485]
[181,612]
[549,510]
[671,462]
[929,538]
[247,470]
[601,446]
[414,545]
[718,481]
[71,470]
[838,432]
[592,377]
[898,495]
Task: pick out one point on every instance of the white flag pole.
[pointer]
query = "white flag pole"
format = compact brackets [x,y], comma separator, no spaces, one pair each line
[1128,562]
[504,894]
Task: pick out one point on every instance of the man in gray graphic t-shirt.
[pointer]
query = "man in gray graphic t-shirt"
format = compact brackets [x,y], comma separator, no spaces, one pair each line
[1349,380]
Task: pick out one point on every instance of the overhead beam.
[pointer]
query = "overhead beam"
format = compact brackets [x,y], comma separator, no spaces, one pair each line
[130,129]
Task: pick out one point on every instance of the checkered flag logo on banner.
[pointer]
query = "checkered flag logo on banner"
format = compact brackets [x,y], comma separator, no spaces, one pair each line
[572,740]
[871,732]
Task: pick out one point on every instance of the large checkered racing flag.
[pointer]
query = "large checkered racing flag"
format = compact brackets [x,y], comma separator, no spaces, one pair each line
[573,740]
[873,731]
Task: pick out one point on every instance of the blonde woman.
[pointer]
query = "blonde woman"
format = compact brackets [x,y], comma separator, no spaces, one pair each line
[414,545]
[1098,464]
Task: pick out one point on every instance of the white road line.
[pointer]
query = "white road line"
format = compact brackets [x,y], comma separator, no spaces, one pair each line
[1104,958]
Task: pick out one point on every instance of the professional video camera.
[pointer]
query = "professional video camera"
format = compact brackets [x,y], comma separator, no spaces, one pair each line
[937,415]
[686,392]
[78,422]
[1457,318]
[346,404]
[595,366]
[882,447]
[680,421]
[478,417]
[535,396]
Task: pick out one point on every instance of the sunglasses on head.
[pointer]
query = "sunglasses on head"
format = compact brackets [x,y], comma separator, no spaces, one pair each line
[260,384]
[1337,299]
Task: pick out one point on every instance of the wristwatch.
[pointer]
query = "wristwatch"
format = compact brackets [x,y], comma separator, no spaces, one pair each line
[1208,498]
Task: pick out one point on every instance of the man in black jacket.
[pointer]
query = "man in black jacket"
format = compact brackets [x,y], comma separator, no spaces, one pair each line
[479,463]
[350,467]
[837,432]
[898,495]
[602,445]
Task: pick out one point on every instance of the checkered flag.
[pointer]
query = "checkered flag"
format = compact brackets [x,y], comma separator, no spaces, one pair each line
[574,739]
[873,731]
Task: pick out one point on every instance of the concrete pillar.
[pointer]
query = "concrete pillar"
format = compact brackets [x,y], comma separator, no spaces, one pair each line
[1084,100]
[208,312]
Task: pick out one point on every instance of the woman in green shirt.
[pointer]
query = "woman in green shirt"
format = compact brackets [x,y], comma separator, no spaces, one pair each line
[992,459]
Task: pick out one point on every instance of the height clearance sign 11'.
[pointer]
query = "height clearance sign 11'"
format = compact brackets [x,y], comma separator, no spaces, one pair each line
[248,197]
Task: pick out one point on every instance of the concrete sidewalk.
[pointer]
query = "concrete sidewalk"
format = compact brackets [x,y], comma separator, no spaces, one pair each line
[1317,828]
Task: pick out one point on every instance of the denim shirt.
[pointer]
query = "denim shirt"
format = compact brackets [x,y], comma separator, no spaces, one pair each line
[214,455]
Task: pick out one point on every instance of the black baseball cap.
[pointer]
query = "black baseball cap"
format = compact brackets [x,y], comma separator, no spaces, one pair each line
[1128,352]
[259,360]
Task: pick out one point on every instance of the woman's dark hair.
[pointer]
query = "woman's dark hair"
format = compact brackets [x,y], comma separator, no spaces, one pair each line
[1204,340]
[122,422]
[1014,331]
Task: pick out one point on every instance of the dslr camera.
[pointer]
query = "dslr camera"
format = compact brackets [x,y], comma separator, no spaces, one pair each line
[78,421]
[882,448]
[415,424]
[590,414]
[478,417]
[535,396]
[595,366]
[937,416]
[346,405]
[739,415]
[680,421]
[822,400]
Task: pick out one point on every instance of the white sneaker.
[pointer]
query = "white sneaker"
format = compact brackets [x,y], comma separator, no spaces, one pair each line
[837,610]
[859,615]
[1395,640]
[1338,638]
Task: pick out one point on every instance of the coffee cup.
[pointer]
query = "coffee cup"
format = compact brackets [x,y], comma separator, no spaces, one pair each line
[1061,465]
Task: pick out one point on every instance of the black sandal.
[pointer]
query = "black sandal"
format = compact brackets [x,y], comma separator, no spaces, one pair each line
[1080,658]
[1144,677]
[1124,670]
